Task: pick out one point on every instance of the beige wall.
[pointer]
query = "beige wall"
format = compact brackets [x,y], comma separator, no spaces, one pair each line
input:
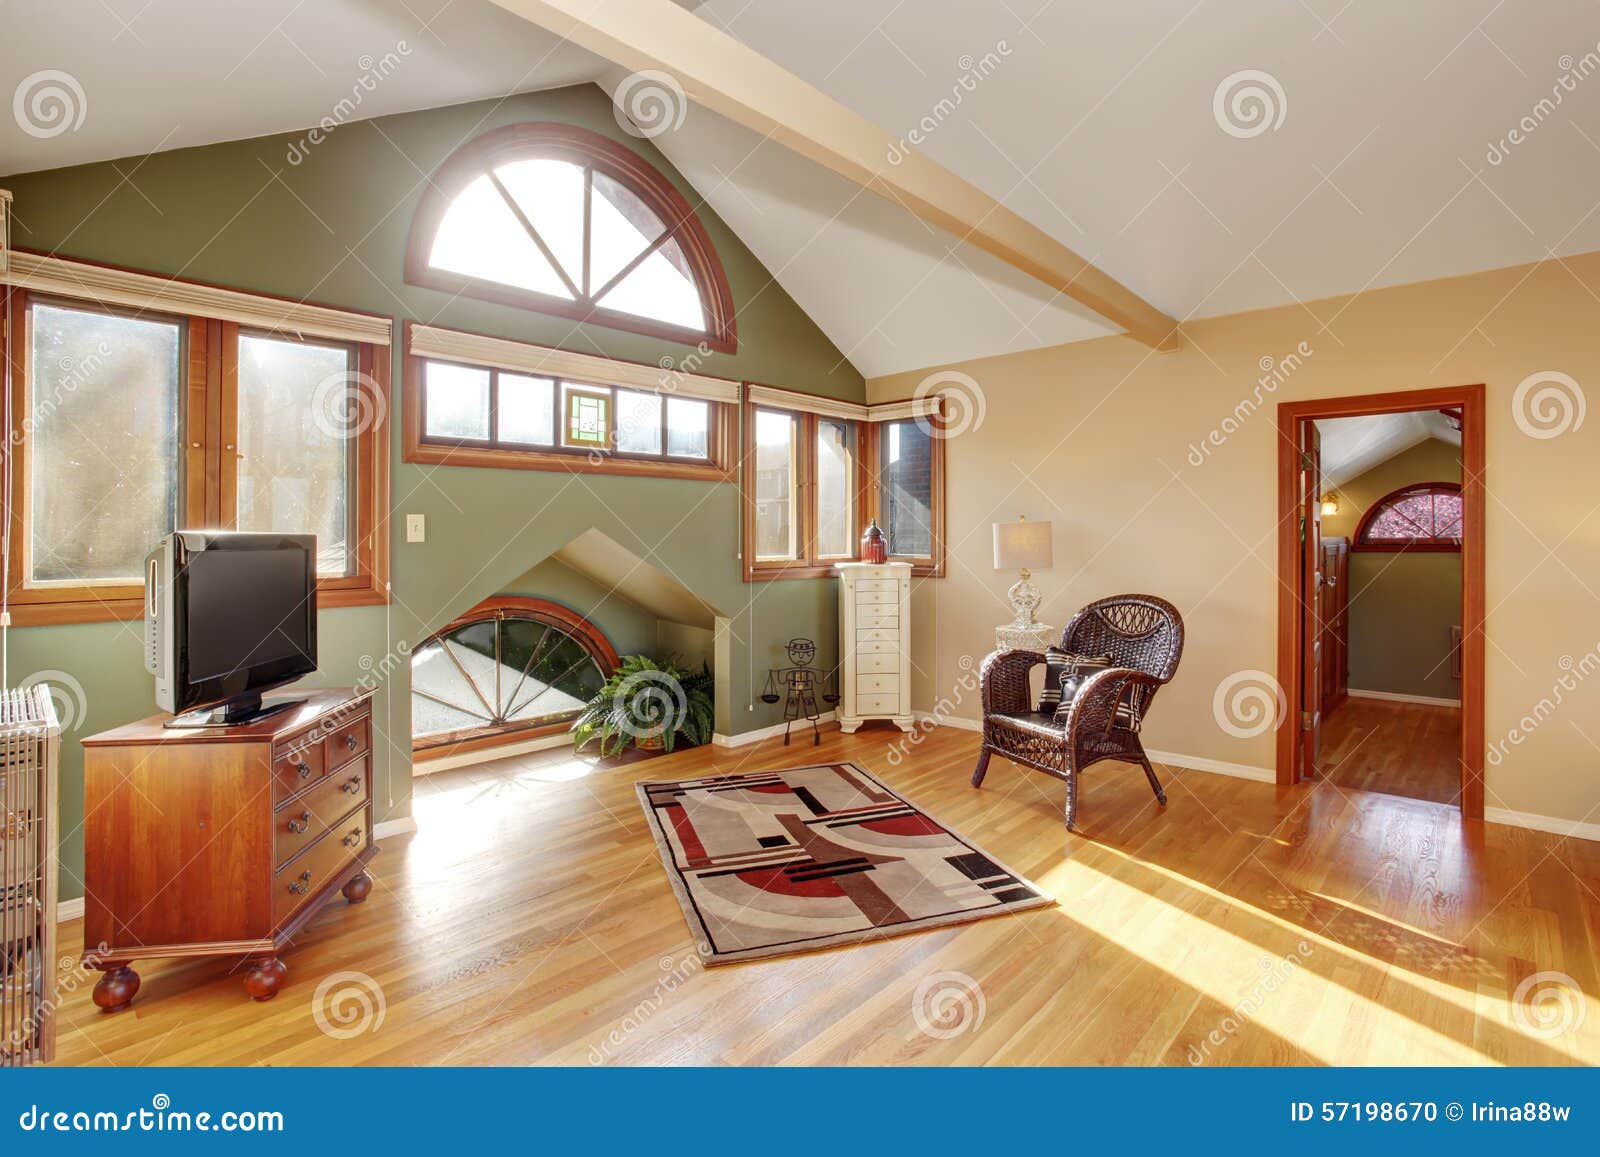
[1158,472]
[1402,605]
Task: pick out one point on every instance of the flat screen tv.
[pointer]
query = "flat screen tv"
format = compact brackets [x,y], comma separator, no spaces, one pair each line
[228,615]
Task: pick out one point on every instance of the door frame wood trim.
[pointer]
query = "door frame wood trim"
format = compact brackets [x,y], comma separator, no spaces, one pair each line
[1291,415]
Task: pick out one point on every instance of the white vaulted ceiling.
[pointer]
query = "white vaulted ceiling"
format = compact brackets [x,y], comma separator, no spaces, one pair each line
[1390,161]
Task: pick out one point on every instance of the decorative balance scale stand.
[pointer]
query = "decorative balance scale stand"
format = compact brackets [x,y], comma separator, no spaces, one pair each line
[799,684]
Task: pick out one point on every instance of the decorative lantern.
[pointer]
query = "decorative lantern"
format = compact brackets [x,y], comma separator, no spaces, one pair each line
[874,546]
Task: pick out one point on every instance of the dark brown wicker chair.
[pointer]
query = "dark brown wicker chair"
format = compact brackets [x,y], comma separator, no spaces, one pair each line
[1144,637]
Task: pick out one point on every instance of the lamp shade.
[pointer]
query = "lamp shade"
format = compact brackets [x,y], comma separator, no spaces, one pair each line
[1022,545]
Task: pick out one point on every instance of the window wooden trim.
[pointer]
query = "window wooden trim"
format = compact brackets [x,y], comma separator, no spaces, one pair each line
[1360,542]
[588,636]
[933,567]
[715,467]
[207,495]
[868,507]
[545,140]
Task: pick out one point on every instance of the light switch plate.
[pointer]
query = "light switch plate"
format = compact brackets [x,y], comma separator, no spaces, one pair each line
[416,528]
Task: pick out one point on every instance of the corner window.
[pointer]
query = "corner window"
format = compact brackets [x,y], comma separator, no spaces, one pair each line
[562,220]
[905,488]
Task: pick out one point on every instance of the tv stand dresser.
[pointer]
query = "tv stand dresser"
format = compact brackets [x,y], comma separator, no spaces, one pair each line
[223,841]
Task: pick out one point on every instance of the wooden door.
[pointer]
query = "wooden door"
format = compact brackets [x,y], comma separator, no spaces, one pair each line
[1335,623]
[1310,721]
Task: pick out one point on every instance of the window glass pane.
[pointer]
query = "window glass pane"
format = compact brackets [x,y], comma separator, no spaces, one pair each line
[481,237]
[456,401]
[835,490]
[776,530]
[588,417]
[295,429]
[905,481]
[688,428]
[660,288]
[527,410]
[638,422]
[103,443]
[620,228]
[550,195]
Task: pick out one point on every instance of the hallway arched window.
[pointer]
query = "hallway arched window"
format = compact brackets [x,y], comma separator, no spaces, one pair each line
[561,220]
[1426,516]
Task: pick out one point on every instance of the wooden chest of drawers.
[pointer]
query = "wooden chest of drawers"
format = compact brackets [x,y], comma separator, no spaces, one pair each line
[223,841]
[874,643]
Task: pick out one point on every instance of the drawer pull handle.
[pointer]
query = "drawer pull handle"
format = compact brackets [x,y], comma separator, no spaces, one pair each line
[353,838]
[302,885]
[351,742]
[304,768]
[353,787]
[300,825]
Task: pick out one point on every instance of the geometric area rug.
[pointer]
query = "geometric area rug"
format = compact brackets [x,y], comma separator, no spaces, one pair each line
[777,862]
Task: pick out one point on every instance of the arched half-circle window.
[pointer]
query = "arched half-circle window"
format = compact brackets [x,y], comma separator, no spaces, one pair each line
[562,220]
[510,668]
[1427,516]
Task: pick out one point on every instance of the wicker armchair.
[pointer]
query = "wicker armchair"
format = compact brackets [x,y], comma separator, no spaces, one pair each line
[1144,637]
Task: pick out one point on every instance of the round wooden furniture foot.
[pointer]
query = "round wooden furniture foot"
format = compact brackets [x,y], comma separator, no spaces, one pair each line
[358,888]
[265,978]
[116,988]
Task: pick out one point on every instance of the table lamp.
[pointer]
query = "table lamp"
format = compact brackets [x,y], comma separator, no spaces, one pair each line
[1022,546]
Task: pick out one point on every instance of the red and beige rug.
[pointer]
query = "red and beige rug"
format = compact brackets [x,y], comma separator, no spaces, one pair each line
[776,862]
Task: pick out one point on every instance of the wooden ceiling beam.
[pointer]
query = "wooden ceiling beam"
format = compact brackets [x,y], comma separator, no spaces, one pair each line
[731,79]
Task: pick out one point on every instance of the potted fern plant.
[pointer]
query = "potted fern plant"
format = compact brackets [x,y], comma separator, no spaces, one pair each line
[650,704]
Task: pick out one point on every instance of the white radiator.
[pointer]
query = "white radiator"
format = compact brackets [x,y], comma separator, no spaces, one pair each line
[30,740]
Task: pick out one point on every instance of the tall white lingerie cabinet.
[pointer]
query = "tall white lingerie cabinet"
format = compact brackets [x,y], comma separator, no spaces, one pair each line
[874,643]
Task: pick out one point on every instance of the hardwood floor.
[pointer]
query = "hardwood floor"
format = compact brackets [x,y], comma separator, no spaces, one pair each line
[1408,749]
[528,921]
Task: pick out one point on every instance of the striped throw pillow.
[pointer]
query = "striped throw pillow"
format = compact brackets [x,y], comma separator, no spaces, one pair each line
[1065,671]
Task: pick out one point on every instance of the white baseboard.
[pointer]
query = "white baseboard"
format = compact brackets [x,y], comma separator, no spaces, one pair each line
[955,721]
[1397,697]
[745,738]
[69,910]
[488,754]
[1559,827]
[1219,766]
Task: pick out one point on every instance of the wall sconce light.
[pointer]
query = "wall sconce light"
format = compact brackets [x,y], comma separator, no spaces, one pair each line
[1330,504]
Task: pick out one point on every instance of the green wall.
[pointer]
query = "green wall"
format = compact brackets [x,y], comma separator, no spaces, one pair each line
[1402,606]
[332,229]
